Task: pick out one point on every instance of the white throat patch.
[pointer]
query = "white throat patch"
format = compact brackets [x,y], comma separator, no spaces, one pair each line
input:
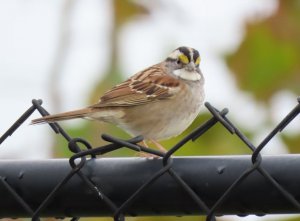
[187,75]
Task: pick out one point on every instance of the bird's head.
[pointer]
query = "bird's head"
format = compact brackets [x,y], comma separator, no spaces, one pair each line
[184,63]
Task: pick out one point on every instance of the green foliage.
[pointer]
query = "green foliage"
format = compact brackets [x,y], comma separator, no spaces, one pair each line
[268,59]
[61,149]
[292,141]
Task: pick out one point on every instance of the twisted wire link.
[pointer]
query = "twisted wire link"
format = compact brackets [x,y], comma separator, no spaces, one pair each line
[81,155]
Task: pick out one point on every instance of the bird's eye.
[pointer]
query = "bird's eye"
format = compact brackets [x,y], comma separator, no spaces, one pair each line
[183,59]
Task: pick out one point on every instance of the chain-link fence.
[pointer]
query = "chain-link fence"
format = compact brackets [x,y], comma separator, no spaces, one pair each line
[120,187]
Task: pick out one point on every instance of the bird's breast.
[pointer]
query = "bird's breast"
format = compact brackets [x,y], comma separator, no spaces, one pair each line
[164,118]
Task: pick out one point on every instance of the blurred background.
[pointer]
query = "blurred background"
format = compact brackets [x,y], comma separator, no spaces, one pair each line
[68,52]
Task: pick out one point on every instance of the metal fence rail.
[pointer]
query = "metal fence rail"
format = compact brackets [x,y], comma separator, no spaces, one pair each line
[86,186]
[118,178]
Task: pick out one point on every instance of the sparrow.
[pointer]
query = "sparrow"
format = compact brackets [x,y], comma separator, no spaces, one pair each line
[158,102]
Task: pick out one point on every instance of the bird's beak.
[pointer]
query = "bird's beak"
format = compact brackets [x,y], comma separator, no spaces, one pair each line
[190,66]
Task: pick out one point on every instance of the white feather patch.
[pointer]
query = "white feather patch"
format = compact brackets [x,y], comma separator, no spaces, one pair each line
[187,75]
[175,54]
[107,115]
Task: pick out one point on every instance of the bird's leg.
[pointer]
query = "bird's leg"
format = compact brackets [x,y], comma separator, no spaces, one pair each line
[159,146]
[144,143]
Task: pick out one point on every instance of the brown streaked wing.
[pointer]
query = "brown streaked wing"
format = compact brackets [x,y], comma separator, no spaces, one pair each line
[144,87]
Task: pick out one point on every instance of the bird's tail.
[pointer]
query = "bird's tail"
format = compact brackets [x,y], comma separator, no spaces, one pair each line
[63,116]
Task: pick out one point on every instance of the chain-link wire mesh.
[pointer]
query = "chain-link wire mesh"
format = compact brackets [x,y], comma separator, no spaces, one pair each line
[81,156]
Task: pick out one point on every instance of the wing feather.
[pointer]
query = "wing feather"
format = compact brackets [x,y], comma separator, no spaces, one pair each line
[144,87]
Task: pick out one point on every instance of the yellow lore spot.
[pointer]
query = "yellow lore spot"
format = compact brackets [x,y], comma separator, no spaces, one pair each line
[197,62]
[184,59]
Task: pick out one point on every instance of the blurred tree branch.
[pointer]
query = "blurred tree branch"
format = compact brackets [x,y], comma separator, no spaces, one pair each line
[60,54]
